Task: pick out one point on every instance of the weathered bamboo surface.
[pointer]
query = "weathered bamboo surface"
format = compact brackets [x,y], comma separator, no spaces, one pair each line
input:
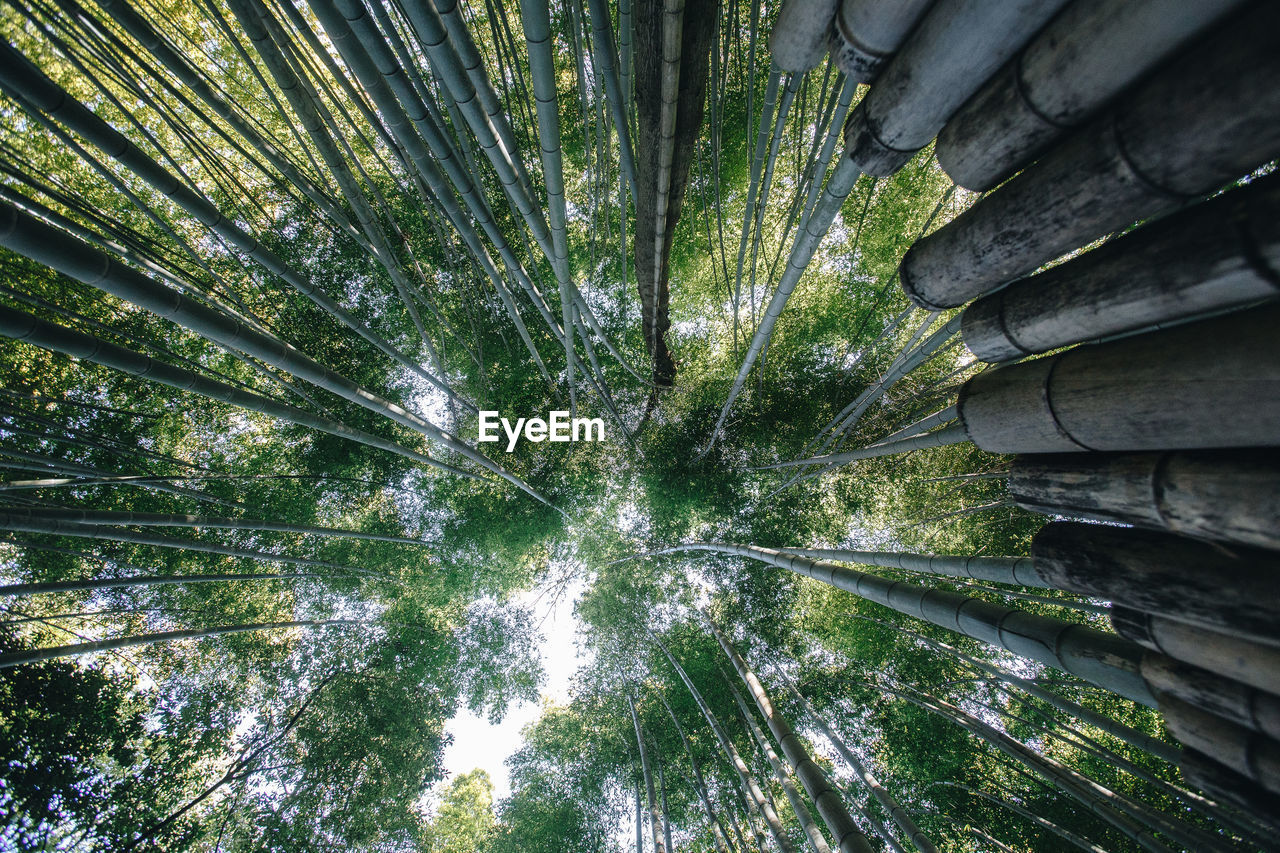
[1223,253]
[1156,391]
[1079,61]
[951,52]
[866,33]
[1249,663]
[1233,591]
[1185,131]
[1225,496]
[1246,706]
[1231,787]
[798,40]
[1251,754]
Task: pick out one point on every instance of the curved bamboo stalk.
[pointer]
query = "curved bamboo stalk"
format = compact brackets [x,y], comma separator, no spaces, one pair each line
[1103,659]
[756,798]
[606,62]
[890,804]
[45,245]
[9,659]
[32,330]
[808,826]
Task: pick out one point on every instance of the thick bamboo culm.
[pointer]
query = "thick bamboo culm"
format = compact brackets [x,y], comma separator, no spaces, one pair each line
[866,33]
[1251,754]
[1246,706]
[1229,786]
[954,49]
[799,37]
[1223,253]
[1225,496]
[1233,591]
[1077,63]
[1190,128]
[1156,391]
[1254,664]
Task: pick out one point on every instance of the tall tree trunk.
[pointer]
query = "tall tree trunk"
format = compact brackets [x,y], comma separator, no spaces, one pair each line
[666,135]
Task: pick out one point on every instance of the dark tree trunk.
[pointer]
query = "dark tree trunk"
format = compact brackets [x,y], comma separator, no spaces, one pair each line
[651,271]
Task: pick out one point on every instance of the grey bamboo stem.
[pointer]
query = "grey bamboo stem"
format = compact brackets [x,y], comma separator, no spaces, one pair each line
[808,826]
[1226,496]
[1103,659]
[1078,62]
[1234,592]
[654,817]
[950,54]
[867,32]
[17,589]
[756,798]
[1149,392]
[36,655]
[1138,159]
[849,839]
[1216,255]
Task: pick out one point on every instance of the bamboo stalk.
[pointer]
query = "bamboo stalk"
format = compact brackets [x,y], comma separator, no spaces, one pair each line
[867,32]
[1226,496]
[1138,159]
[1078,62]
[1216,255]
[952,51]
[1149,392]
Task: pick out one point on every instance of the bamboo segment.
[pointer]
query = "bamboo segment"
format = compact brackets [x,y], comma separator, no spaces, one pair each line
[16,589]
[37,332]
[954,49]
[1013,570]
[1227,496]
[1104,659]
[1254,756]
[1185,131]
[867,32]
[1231,700]
[1084,57]
[1216,255]
[825,797]
[36,655]
[1229,786]
[1234,592]
[799,37]
[1249,663]
[1155,391]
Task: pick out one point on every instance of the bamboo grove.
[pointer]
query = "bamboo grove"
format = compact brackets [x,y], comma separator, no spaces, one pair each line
[884,306]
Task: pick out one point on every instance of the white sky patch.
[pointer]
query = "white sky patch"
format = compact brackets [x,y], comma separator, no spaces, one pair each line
[477,743]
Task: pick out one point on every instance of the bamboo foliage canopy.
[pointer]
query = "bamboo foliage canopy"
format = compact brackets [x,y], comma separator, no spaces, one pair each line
[296,295]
